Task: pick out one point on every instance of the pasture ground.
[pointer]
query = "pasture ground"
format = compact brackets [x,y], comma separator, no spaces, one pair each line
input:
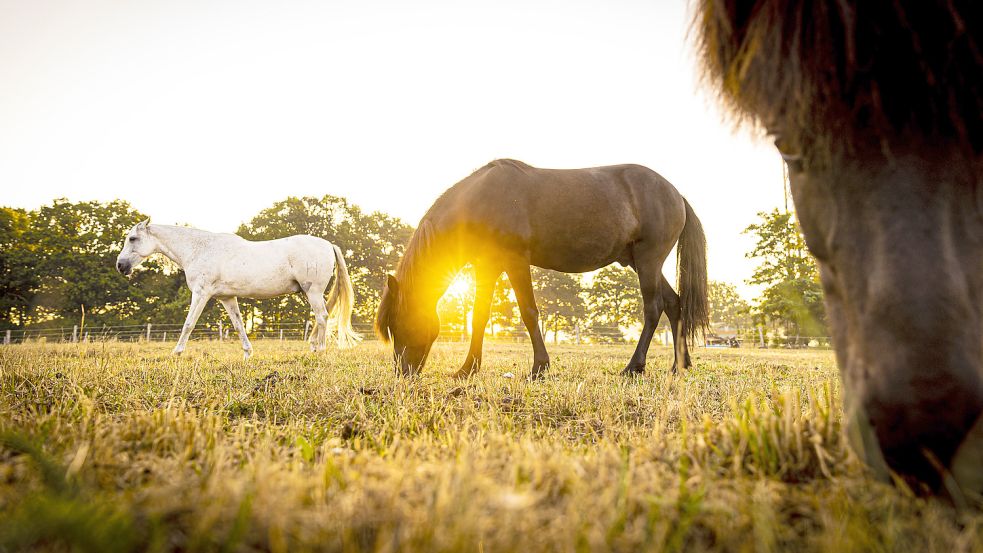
[121,447]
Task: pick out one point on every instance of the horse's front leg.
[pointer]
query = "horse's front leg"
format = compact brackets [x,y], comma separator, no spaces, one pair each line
[484,289]
[198,302]
[521,281]
[232,308]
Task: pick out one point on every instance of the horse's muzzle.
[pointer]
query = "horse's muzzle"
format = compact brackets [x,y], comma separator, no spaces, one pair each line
[124,268]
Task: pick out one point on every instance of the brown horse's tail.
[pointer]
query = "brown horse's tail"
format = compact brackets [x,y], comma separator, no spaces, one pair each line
[691,263]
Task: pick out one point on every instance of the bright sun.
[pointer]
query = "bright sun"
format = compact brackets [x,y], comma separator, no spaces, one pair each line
[460,285]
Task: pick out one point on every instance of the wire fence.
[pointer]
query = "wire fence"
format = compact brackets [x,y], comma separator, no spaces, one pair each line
[169,332]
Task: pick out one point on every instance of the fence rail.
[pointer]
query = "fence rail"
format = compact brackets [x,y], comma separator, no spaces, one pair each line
[169,332]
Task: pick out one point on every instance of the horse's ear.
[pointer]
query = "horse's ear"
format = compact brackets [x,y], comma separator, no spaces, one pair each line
[144,223]
[391,283]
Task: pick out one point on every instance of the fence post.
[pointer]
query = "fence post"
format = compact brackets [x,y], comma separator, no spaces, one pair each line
[148,331]
[164,338]
[281,334]
[761,334]
[307,325]
[6,338]
[220,331]
[75,334]
[577,331]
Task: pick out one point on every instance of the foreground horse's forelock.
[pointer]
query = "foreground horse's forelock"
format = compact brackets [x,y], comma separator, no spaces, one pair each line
[877,108]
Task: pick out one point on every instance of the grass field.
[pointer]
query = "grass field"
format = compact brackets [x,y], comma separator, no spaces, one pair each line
[121,447]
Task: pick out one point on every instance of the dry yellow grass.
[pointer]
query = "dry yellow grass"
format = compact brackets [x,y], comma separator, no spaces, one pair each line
[123,447]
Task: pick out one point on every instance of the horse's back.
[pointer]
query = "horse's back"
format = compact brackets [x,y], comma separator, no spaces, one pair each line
[291,245]
[268,268]
[568,219]
[613,199]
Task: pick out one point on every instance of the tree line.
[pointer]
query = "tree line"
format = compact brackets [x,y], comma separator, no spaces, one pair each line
[57,268]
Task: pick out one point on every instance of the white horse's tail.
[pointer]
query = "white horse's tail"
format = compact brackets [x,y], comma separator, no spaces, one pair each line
[341,301]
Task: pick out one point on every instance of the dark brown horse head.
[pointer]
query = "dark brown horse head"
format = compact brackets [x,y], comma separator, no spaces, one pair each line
[407,316]
[876,107]
[411,330]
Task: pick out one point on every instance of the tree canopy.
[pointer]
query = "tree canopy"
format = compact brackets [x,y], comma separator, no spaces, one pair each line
[59,259]
[727,306]
[371,242]
[792,295]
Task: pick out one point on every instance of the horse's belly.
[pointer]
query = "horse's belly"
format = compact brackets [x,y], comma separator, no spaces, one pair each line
[571,262]
[256,288]
[579,254]
[254,275]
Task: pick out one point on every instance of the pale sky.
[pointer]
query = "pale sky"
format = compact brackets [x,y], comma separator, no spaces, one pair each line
[205,112]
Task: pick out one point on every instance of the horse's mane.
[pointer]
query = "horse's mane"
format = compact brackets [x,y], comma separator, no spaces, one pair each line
[420,242]
[827,75]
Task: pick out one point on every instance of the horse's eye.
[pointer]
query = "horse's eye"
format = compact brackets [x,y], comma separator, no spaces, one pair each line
[133,239]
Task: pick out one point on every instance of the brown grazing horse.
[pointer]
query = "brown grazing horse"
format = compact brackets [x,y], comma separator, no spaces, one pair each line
[877,107]
[508,215]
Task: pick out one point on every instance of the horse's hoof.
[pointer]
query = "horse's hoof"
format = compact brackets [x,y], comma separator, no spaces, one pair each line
[633,371]
[539,371]
[462,374]
[467,369]
[177,352]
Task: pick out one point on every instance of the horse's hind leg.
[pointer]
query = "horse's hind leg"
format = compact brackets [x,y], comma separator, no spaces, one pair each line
[675,314]
[319,336]
[649,280]
[232,308]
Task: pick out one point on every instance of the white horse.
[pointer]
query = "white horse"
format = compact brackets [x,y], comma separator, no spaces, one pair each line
[225,266]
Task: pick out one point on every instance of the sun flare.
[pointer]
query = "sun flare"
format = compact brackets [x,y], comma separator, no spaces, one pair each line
[460,286]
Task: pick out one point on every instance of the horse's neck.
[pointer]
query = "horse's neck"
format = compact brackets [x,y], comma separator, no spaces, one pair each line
[179,244]
[432,278]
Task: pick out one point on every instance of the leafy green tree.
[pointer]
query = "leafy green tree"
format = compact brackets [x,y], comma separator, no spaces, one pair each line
[19,278]
[614,298]
[793,296]
[372,244]
[558,296]
[75,247]
[727,306]
[457,302]
[503,306]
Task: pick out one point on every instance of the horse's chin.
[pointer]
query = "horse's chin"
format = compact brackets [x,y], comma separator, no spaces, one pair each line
[967,462]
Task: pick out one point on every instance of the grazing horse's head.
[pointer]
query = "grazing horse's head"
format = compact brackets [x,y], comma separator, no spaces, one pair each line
[412,329]
[876,107]
[137,246]
[407,315]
